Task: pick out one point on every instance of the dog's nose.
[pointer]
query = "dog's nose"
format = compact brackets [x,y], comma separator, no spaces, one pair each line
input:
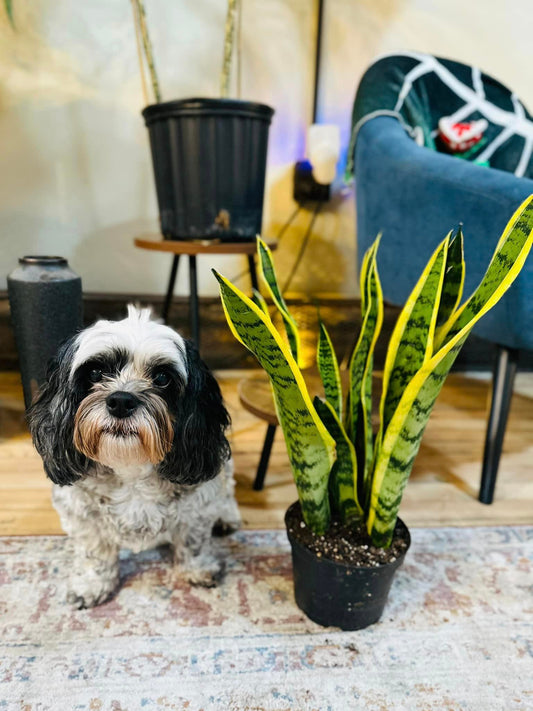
[121,404]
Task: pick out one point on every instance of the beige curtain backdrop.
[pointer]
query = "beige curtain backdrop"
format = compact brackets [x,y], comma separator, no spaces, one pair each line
[75,169]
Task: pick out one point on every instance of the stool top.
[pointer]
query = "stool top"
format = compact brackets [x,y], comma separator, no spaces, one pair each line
[194,247]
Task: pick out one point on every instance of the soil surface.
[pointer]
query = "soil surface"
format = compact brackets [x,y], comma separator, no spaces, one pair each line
[345,543]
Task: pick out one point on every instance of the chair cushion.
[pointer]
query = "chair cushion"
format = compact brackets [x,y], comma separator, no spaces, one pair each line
[419,89]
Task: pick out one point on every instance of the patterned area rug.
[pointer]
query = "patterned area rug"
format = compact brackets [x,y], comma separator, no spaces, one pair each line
[456,634]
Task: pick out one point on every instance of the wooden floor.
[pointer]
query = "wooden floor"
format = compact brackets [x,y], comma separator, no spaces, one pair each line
[442,490]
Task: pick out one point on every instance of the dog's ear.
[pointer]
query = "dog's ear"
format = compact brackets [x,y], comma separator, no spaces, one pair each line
[200,447]
[51,420]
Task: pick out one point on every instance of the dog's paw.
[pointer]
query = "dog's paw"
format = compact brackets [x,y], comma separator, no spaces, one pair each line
[208,574]
[225,527]
[84,602]
[84,593]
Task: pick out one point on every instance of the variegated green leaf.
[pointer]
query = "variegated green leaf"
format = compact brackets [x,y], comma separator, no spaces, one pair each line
[364,281]
[401,444]
[365,440]
[258,300]
[505,264]
[360,368]
[310,447]
[412,340]
[266,269]
[401,440]
[328,367]
[454,278]
[343,478]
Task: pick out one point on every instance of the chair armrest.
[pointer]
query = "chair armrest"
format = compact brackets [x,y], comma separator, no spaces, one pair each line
[415,196]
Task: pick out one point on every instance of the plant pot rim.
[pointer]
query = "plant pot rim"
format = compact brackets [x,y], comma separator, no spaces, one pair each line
[342,564]
[205,106]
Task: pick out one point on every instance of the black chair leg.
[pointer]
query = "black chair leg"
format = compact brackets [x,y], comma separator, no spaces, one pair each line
[502,392]
[170,289]
[265,457]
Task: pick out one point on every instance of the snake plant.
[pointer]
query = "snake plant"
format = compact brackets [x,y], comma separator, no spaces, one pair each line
[341,467]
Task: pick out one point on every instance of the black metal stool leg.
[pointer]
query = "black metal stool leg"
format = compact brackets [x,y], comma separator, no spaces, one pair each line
[253,272]
[193,302]
[502,392]
[265,457]
[170,289]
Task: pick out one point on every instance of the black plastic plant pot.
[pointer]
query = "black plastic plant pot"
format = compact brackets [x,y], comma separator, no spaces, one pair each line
[336,594]
[209,158]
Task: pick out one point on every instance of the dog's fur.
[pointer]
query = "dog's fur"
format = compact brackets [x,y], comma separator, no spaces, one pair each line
[160,474]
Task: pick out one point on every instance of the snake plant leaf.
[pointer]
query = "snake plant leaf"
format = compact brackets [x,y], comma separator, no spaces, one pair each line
[364,278]
[363,436]
[411,343]
[395,458]
[360,369]
[258,300]
[403,435]
[328,367]
[343,477]
[507,261]
[310,447]
[266,269]
[454,279]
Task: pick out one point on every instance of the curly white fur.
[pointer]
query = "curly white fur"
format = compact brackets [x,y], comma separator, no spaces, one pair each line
[159,474]
[134,508]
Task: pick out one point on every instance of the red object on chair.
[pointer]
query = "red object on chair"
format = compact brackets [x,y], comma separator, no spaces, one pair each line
[459,137]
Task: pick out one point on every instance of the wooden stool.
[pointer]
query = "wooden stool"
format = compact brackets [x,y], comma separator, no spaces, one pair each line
[193,248]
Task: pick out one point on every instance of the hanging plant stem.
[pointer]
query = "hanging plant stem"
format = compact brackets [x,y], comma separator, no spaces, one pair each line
[229,39]
[239,52]
[140,17]
[8,5]
[139,52]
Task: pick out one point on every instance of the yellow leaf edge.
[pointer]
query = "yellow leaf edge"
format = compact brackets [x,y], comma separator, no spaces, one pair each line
[412,390]
[282,307]
[295,370]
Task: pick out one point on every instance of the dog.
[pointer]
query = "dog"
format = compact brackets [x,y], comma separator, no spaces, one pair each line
[131,429]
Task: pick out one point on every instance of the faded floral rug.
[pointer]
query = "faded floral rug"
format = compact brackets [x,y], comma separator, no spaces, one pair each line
[457,633]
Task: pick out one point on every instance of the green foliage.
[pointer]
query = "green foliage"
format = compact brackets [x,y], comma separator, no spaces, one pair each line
[412,339]
[335,461]
[266,269]
[452,288]
[310,447]
[343,477]
[328,367]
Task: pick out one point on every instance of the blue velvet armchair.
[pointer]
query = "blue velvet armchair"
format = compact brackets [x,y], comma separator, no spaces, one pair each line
[414,195]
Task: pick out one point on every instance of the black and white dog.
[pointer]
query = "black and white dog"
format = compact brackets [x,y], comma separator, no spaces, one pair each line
[131,428]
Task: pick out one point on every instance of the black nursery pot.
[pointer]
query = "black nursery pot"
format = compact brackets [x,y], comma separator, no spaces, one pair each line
[209,159]
[335,594]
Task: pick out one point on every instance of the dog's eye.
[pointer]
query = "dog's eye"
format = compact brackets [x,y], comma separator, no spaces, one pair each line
[95,375]
[161,379]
